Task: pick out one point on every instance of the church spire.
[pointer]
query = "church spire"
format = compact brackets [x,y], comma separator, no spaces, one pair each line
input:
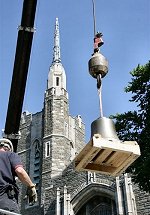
[56,49]
[56,75]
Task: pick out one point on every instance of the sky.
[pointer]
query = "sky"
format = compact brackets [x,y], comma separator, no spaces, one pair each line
[126,34]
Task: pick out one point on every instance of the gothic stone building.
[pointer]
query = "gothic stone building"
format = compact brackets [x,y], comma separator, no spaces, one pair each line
[50,141]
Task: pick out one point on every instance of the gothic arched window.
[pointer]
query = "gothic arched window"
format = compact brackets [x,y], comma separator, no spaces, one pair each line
[99,205]
[36,164]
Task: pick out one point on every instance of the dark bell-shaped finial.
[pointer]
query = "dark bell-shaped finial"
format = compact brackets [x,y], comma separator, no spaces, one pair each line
[105,127]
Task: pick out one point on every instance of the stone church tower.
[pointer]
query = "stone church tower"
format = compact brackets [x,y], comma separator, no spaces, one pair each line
[50,140]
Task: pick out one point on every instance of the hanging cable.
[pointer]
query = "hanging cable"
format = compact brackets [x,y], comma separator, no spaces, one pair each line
[94,17]
[99,89]
[97,43]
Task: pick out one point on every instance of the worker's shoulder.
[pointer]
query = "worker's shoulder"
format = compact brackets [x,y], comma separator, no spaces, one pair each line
[12,154]
[9,154]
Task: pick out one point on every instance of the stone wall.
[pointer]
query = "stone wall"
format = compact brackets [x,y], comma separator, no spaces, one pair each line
[31,130]
[142,200]
[74,182]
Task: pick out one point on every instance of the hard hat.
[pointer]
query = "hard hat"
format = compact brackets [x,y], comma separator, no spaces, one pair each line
[6,143]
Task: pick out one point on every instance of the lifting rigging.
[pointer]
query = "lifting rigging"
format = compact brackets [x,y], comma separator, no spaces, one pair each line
[104,153]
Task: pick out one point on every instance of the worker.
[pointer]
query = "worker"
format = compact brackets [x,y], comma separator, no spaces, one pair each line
[10,168]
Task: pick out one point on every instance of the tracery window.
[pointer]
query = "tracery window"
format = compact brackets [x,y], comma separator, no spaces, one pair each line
[102,209]
[36,174]
[35,165]
[98,205]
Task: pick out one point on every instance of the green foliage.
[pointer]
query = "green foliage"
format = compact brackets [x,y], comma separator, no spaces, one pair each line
[135,125]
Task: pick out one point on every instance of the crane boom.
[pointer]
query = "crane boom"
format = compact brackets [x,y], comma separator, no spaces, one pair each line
[20,71]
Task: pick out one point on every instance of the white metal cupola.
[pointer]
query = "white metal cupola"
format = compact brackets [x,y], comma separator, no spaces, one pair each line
[56,75]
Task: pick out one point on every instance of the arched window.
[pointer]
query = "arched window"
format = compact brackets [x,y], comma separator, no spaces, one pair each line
[99,205]
[102,209]
[36,164]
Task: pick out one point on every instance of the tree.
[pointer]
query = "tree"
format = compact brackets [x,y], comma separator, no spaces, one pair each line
[135,125]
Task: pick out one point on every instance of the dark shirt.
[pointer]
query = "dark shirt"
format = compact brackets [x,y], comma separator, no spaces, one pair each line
[9,161]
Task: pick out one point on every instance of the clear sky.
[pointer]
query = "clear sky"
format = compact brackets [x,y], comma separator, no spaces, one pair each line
[126,28]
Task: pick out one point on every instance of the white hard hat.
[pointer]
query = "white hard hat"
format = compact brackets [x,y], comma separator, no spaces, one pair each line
[6,143]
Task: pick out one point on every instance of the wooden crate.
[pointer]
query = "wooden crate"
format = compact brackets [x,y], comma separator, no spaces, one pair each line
[111,157]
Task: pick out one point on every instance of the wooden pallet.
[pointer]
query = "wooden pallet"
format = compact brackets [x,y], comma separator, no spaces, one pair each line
[111,157]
